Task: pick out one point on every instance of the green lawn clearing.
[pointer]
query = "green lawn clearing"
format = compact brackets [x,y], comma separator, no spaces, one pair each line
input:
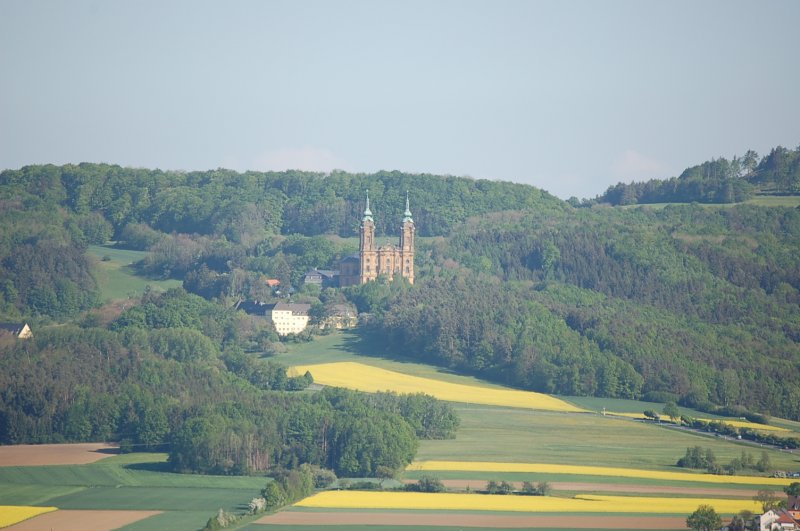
[116,276]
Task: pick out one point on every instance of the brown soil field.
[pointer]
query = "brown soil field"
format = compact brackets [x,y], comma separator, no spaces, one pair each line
[474,520]
[54,454]
[479,484]
[81,520]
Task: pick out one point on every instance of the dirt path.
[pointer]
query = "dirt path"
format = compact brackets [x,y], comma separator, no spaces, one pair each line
[474,520]
[479,484]
[54,454]
[81,520]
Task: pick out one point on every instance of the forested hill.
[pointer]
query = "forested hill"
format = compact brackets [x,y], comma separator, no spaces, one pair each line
[694,303]
[253,204]
[689,303]
[717,181]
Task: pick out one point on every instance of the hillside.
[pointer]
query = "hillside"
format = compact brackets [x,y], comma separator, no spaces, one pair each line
[680,303]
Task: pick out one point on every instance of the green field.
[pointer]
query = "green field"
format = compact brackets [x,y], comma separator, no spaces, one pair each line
[516,435]
[116,276]
[133,482]
[505,434]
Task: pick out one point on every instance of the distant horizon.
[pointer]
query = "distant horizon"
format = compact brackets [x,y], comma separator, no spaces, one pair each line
[571,98]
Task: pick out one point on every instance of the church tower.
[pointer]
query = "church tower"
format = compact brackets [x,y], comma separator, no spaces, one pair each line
[407,230]
[367,250]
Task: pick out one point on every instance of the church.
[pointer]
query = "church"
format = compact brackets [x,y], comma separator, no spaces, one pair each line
[388,260]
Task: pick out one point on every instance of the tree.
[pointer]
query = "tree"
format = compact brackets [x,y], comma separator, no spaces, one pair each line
[426,484]
[671,410]
[792,489]
[705,518]
[274,495]
[768,499]
[764,463]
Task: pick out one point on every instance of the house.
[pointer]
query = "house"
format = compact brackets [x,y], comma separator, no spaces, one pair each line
[339,316]
[273,282]
[290,318]
[781,519]
[322,277]
[16,330]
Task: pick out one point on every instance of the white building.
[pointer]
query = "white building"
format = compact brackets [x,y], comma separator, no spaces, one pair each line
[290,318]
[779,519]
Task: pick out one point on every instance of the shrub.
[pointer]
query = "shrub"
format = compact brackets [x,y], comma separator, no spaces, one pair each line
[426,484]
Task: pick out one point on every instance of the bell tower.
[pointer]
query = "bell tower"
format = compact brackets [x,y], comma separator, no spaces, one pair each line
[407,232]
[366,248]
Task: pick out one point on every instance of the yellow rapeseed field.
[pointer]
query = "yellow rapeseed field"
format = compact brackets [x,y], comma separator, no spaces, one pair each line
[547,468]
[735,423]
[583,503]
[373,379]
[13,514]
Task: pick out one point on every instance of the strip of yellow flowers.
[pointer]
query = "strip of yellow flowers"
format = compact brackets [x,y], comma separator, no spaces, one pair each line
[583,503]
[360,377]
[735,423]
[13,514]
[547,468]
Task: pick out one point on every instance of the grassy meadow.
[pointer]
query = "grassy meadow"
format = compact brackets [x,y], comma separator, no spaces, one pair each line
[116,276]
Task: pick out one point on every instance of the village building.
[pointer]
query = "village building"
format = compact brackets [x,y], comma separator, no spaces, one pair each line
[339,316]
[16,330]
[322,277]
[375,261]
[779,519]
[289,317]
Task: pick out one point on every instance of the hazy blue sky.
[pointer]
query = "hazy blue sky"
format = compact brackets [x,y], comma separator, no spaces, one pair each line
[568,96]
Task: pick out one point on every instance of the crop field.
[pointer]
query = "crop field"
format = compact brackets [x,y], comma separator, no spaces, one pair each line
[475,521]
[11,514]
[524,436]
[118,279]
[582,503]
[82,520]
[125,485]
[735,423]
[371,379]
[477,466]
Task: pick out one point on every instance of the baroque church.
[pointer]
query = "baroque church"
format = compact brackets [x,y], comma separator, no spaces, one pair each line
[388,260]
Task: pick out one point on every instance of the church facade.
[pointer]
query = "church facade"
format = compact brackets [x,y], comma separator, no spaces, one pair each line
[387,260]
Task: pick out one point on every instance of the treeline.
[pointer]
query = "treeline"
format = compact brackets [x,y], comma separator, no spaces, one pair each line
[716,181]
[245,207]
[169,374]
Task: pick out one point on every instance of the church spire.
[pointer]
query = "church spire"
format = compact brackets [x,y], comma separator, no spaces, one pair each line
[367,211]
[407,213]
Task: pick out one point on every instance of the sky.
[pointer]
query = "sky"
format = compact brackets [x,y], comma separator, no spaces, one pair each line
[568,96]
